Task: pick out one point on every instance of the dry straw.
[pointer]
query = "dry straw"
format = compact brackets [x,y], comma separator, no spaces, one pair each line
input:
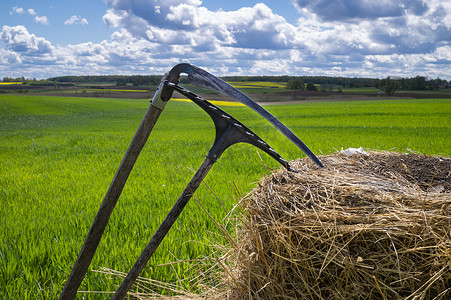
[374,226]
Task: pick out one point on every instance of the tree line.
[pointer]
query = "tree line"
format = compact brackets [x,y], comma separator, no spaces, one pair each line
[135,80]
[391,85]
[293,82]
[321,80]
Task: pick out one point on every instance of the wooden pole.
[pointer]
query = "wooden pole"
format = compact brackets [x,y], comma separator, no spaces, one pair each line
[109,202]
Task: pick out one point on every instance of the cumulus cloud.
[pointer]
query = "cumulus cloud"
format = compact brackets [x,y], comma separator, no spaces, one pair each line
[358,27]
[18,39]
[31,12]
[188,23]
[400,27]
[349,10]
[17,10]
[153,11]
[9,57]
[41,20]
[25,51]
[27,54]
[76,20]
[331,37]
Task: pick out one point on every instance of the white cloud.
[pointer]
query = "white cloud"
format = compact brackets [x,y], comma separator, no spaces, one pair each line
[25,53]
[391,27]
[352,10]
[17,10]
[9,57]
[41,20]
[113,18]
[405,38]
[31,12]
[76,20]
[187,23]
[18,39]
[153,11]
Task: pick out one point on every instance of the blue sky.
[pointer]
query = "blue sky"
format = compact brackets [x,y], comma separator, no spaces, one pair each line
[361,38]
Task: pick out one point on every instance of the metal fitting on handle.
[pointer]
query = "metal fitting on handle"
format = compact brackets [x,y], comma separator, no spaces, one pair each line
[157,100]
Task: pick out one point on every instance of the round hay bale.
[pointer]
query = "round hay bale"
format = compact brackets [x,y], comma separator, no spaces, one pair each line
[373,226]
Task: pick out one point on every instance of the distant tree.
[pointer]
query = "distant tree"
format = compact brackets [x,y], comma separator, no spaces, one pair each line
[326,87]
[121,81]
[139,80]
[10,79]
[418,83]
[403,84]
[377,83]
[311,87]
[295,84]
[390,86]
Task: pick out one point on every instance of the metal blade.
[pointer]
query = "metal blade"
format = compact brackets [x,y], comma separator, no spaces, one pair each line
[204,79]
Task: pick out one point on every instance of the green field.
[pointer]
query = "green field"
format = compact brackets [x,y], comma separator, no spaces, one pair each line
[58,156]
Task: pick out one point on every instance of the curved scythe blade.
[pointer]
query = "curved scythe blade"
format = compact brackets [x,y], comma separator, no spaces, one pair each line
[202,78]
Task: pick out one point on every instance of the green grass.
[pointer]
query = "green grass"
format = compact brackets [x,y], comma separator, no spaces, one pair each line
[365,90]
[58,156]
[439,92]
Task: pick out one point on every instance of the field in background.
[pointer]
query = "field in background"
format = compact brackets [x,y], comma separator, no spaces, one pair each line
[59,154]
[261,91]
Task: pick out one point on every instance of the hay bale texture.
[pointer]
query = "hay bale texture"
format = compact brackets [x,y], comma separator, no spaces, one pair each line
[374,226]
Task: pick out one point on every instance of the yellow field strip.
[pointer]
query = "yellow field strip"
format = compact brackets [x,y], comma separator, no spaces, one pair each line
[9,83]
[246,87]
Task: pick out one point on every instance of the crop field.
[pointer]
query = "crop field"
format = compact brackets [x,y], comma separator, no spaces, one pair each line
[265,87]
[256,84]
[58,156]
[10,83]
[360,90]
[116,90]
